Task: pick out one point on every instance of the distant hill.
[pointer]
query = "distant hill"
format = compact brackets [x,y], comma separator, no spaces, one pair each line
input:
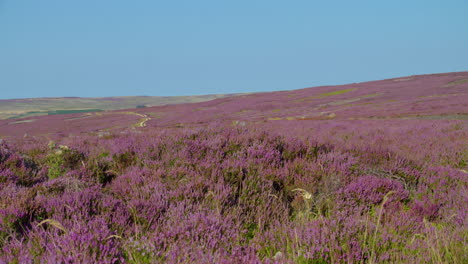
[435,96]
[20,108]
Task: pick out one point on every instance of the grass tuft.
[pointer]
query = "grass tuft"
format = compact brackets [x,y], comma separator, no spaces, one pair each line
[53,223]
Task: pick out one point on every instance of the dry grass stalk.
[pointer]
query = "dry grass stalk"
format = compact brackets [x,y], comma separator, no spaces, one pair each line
[53,223]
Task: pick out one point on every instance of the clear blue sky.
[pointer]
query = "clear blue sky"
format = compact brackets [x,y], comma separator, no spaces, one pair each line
[53,48]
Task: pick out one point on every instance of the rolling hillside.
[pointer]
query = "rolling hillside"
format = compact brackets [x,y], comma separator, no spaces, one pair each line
[20,108]
[436,96]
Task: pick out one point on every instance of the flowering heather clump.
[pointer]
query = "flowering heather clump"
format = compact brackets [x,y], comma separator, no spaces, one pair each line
[226,195]
[371,190]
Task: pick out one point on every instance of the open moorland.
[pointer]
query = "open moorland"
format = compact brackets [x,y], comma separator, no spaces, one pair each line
[20,108]
[372,172]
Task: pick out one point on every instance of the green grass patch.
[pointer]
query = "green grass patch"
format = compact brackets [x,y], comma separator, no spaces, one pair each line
[336,92]
[62,112]
[27,114]
[457,82]
[322,95]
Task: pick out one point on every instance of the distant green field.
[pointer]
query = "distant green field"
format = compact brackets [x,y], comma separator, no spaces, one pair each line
[54,112]
[32,113]
[21,108]
[61,112]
